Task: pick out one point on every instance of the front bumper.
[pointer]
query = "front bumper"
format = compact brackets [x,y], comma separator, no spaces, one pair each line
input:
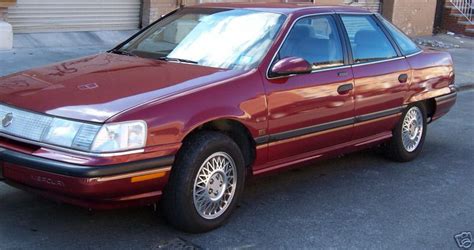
[98,187]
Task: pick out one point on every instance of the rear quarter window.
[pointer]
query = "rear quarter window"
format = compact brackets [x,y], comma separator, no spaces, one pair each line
[407,46]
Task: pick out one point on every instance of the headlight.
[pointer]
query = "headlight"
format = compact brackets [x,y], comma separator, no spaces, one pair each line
[71,134]
[62,132]
[113,137]
[120,137]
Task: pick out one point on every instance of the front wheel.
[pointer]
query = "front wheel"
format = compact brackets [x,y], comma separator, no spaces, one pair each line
[409,135]
[206,183]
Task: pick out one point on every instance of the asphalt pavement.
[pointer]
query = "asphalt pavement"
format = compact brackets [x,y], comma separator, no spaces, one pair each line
[359,201]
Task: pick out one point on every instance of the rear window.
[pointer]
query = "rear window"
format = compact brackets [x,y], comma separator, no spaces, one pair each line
[407,46]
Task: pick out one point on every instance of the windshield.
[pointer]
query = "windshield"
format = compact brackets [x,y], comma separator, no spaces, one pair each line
[220,38]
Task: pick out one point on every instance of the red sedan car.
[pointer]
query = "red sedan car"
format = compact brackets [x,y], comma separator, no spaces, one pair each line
[189,107]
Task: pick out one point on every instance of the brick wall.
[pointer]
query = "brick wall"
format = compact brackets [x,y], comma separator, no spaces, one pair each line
[454,22]
[450,22]
[414,17]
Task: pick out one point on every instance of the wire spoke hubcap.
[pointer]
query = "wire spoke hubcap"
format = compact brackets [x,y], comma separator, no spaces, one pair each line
[412,129]
[214,186]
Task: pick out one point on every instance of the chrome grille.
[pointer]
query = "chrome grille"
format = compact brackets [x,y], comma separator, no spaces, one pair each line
[25,124]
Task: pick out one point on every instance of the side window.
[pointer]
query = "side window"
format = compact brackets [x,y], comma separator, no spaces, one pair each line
[315,39]
[368,41]
[407,46]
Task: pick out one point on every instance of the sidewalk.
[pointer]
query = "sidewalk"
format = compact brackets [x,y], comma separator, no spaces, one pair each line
[462,51]
[30,54]
[33,50]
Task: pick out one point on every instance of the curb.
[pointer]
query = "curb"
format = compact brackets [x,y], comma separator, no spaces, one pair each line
[465,87]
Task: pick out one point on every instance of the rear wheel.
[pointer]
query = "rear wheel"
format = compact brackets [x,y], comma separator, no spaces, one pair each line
[409,135]
[206,183]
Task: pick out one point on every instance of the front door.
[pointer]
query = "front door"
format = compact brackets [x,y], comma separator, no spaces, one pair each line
[312,111]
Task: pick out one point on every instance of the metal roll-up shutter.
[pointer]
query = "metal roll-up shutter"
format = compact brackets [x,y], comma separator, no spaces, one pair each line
[372,5]
[74,15]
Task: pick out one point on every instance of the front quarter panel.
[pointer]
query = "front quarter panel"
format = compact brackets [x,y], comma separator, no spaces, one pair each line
[169,120]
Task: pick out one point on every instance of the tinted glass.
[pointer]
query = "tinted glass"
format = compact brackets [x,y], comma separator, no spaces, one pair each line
[368,41]
[316,40]
[406,44]
[221,38]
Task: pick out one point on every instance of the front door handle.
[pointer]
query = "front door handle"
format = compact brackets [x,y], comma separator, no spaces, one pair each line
[403,78]
[345,88]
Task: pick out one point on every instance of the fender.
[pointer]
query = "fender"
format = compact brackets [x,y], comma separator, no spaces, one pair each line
[241,98]
[432,76]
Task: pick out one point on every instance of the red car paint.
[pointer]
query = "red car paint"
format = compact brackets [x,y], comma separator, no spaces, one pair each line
[175,99]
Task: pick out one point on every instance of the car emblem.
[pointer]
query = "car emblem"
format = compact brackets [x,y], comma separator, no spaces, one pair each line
[88,86]
[7,120]
[464,240]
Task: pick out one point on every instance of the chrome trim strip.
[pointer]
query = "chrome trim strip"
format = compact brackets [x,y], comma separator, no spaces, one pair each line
[379,114]
[328,126]
[414,54]
[331,68]
[77,152]
[355,13]
[380,61]
[312,72]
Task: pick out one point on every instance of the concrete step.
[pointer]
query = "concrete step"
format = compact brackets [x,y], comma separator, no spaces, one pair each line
[457,15]
[470,31]
[466,24]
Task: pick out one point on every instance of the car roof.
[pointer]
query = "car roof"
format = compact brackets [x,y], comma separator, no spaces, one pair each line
[284,8]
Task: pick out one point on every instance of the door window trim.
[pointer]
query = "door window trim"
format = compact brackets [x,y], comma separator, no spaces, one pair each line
[345,41]
[380,25]
[344,47]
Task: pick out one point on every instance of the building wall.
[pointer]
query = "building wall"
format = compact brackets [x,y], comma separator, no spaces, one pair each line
[372,5]
[3,14]
[329,2]
[153,9]
[415,18]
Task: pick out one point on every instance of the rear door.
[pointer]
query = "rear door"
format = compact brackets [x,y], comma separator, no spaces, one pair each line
[381,75]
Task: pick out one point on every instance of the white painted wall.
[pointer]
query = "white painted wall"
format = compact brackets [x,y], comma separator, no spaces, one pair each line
[6,36]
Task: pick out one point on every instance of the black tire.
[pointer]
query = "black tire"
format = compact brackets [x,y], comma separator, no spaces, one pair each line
[178,202]
[395,149]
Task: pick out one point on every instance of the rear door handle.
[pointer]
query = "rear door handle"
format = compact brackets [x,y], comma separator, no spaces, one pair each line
[342,73]
[345,88]
[403,78]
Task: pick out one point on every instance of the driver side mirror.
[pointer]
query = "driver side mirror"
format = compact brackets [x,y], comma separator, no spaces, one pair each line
[291,66]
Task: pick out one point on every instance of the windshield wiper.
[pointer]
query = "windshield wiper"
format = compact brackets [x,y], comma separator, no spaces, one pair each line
[122,52]
[165,58]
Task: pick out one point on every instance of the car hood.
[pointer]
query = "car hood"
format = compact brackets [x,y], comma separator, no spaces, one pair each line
[98,87]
